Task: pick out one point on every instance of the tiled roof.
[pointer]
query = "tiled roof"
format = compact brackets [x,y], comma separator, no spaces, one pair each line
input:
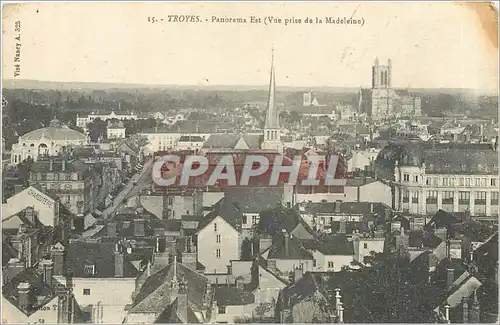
[254,199]
[227,211]
[191,138]
[442,219]
[330,245]
[37,286]
[233,296]
[75,166]
[443,158]
[154,294]
[295,250]
[229,141]
[420,239]
[80,254]
[272,222]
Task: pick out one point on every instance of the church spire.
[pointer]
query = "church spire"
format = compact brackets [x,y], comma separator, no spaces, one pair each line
[272,117]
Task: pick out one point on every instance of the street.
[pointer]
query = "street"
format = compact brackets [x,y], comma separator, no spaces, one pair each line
[128,187]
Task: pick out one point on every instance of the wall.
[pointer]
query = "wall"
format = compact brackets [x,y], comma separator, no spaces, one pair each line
[142,318]
[242,269]
[153,204]
[233,312]
[44,206]
[338,262]
[12,315]
[269,286]
[210,198]
[207,246]
[372,244]
[360,159]
[101,291]
[319,197]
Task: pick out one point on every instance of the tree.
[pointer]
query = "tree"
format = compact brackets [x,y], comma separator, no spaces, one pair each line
[24,168]
[97,129]
[263,309]
[246,250]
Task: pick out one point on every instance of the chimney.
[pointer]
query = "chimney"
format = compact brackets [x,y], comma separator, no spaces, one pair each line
[48,271]
[264,243]
[189,259]
[286,239]
[57,257]
[51,165]
[139,228]
[475,314]
[111,229]
[63,167]
[371,207]
[23,290]
[447,313]
[467,215]
[298,273]
[29,213]
[342,227]
[118,262]
[402,242]
[182,301]
[450,278]
[387,214]
[465,311]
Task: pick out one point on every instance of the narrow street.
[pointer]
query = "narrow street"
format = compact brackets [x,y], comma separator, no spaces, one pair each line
[126,190]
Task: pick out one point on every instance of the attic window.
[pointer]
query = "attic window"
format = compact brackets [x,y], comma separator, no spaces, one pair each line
[89,270]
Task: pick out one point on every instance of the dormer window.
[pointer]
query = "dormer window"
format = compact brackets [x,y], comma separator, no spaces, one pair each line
[89,270]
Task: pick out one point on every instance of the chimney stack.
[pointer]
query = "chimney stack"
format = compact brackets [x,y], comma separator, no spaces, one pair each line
[465,311]
[447,313]
[239,283]
[57,256]
[23,290]
[475,314]
[139,228]
[119,259]
[51,165]
[63,165]
[286,239]
[29,213]
[182,301]
[450,278]
[298,273]
[48,271]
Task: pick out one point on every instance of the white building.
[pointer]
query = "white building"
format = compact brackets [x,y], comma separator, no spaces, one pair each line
[187,142]
[449,176]
[85,120]
[115,130]
[160,140]
[219,238]
[49,141]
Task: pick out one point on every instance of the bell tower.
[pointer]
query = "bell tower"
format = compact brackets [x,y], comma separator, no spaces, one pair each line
[272,136]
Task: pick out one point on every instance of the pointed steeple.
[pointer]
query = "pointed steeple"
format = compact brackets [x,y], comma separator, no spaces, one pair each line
[272,117]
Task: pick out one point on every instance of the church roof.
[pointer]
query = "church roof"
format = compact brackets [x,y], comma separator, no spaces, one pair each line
[55,132]
[272,117]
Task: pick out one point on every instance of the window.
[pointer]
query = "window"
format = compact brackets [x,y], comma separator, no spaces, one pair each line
[460,181]
[222,309]
[494,198]
[427,181]
[467,181]
[493,182]
[244,219]
[314,263]
[217,253]
[254,220]
[86,292]
[414,197]
[431,197]
[89,270]
[463,198]
[217,238]
[405,196]
[480,198]
[215,227]
[406,177]
[68,199]
[483,181]
[415,179]
[330,265]
[365,245]
[447,197]
[478,182]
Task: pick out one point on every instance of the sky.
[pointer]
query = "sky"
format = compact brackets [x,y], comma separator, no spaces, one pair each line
[432,45]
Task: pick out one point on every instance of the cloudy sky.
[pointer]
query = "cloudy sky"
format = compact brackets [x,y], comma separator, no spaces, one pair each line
[432,45]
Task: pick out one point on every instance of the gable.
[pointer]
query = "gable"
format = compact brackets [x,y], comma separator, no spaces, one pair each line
[241,144]
[301,232]
[34,195]
[220,221]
